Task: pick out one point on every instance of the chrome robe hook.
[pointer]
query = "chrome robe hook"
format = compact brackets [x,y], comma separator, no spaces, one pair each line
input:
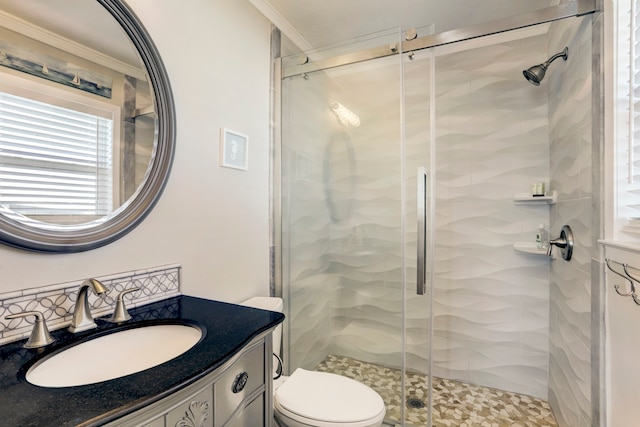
[627,276]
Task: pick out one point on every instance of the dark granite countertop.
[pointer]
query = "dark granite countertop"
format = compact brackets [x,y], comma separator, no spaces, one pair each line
[229,327]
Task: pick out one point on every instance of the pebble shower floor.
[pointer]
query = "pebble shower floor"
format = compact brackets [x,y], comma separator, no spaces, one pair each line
[454,403]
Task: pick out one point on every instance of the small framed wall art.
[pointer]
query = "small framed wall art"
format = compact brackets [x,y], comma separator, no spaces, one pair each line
[234,149]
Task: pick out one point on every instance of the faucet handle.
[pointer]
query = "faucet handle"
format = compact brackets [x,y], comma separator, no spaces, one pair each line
[564,242]
[40,334]
[120,314]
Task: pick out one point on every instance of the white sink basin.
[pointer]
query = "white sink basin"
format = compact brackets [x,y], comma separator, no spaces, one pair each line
[114,356]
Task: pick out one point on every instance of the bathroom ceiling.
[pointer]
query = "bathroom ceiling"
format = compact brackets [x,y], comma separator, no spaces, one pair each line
[82,22]
[318,23]
[308,24]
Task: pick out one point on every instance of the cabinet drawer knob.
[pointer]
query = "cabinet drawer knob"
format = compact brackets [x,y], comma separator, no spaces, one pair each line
[240,382]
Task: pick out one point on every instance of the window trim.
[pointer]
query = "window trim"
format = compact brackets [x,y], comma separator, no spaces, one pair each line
[68,98]
[616,226]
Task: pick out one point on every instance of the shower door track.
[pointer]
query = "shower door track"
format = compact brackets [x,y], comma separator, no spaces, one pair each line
[549,14]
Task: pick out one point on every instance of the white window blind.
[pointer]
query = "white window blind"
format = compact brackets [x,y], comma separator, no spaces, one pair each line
[54,160]
[628,117]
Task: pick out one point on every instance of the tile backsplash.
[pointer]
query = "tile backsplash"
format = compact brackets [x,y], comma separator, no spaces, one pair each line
[56,302]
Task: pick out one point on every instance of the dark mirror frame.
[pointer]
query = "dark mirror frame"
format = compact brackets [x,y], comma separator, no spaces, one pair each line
[21,232]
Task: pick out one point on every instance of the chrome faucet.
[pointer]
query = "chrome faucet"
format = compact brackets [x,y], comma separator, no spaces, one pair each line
[82,318]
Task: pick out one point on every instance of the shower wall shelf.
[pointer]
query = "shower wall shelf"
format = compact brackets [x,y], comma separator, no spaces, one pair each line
[528,199]
[530,248]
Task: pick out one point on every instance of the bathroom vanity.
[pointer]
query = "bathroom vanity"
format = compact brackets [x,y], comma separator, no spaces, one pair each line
[235,394]
[224,380]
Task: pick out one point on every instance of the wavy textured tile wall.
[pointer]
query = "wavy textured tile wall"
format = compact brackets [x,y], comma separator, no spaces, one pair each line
[570,120]
[306,223]
[491,305]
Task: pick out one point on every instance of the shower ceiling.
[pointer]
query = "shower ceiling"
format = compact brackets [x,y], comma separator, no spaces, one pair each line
[318,23]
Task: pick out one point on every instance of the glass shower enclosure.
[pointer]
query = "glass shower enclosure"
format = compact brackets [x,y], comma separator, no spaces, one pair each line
[348,164]
[398,175]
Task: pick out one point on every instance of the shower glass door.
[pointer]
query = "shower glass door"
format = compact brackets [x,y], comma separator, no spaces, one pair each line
[347,270]
[419,214]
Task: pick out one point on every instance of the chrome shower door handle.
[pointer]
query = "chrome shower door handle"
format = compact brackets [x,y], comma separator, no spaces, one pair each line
[421,285]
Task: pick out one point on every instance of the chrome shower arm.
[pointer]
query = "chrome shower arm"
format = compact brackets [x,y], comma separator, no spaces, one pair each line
[564,54]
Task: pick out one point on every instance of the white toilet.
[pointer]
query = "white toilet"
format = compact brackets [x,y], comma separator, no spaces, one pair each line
[319,399]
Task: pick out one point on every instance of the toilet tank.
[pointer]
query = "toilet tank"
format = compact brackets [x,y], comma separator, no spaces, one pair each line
[271,304]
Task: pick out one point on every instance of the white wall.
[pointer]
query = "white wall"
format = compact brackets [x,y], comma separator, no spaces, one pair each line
[212,220]
[622,344]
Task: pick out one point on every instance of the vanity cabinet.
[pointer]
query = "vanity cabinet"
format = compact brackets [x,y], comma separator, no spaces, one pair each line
[194,411]
[237,394]
[225,380]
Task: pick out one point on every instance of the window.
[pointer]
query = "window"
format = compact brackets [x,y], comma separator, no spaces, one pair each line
[55,160]
[627,120]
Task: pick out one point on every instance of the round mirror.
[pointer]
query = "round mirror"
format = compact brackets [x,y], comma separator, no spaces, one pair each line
[87,123]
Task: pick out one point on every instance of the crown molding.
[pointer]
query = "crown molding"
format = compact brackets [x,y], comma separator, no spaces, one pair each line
[282,23]
[27,29]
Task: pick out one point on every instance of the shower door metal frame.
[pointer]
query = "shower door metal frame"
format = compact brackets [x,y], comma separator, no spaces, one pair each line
[302,64]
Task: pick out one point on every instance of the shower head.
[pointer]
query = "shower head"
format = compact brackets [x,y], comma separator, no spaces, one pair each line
[536,73]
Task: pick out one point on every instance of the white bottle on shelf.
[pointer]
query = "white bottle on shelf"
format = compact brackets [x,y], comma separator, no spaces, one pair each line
[542,237]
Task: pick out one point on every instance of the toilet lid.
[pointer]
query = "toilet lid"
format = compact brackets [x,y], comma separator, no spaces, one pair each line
[328,398]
